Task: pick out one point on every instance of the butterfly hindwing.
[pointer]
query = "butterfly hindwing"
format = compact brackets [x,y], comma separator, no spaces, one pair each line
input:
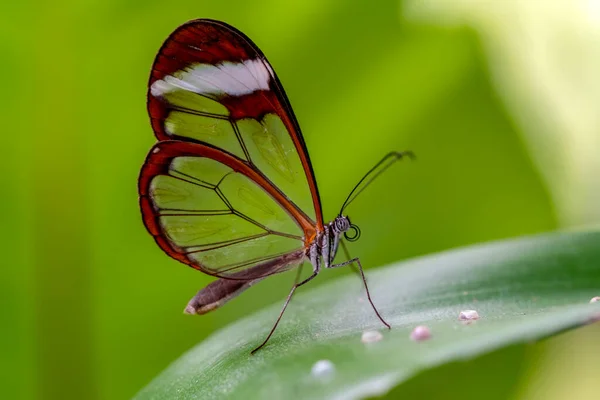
[210,211]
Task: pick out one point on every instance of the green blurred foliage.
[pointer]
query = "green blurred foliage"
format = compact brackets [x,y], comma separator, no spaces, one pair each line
[92,307]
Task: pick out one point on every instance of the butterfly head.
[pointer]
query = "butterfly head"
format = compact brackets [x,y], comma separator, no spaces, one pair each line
[342,224]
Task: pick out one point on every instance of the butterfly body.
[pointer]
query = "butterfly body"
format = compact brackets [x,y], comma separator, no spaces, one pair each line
[229,188]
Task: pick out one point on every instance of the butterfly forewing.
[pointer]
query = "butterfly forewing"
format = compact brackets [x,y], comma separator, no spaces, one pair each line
[210,84]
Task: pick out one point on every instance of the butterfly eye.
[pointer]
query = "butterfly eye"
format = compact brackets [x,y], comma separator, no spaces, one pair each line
[354,235]
[342,224]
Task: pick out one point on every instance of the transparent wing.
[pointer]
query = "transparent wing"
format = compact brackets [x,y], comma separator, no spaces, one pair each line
[210,84]
[214,213]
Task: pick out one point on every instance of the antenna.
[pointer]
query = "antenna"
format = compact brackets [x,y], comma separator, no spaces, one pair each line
[374,172]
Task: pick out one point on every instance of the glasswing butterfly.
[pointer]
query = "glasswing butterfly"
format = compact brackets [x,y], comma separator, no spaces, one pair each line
[229,188]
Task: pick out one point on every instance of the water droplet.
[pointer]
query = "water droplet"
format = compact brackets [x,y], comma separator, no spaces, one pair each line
[468,315]
[322,369]
[595,299]
[594,318]
[420,332]
[371,337]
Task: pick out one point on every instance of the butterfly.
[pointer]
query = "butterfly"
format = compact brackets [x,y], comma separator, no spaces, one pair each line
[229,188]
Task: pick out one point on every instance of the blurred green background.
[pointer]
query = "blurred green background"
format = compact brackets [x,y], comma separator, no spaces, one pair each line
[497,99]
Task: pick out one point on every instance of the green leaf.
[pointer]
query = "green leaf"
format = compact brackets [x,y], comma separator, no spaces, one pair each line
[523,289]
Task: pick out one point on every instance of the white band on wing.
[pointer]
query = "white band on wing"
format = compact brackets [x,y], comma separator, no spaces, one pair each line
[227,78]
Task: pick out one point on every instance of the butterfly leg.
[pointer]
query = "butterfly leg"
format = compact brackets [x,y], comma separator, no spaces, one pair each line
[347,255]
[287,301]
[362,274]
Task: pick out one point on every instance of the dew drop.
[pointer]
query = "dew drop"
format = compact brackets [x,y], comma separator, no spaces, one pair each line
[468,315]
[322,369]
[371,336]
[594,318]
[420,333]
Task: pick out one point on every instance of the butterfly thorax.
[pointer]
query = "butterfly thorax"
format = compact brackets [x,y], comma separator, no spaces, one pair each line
[325,246]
